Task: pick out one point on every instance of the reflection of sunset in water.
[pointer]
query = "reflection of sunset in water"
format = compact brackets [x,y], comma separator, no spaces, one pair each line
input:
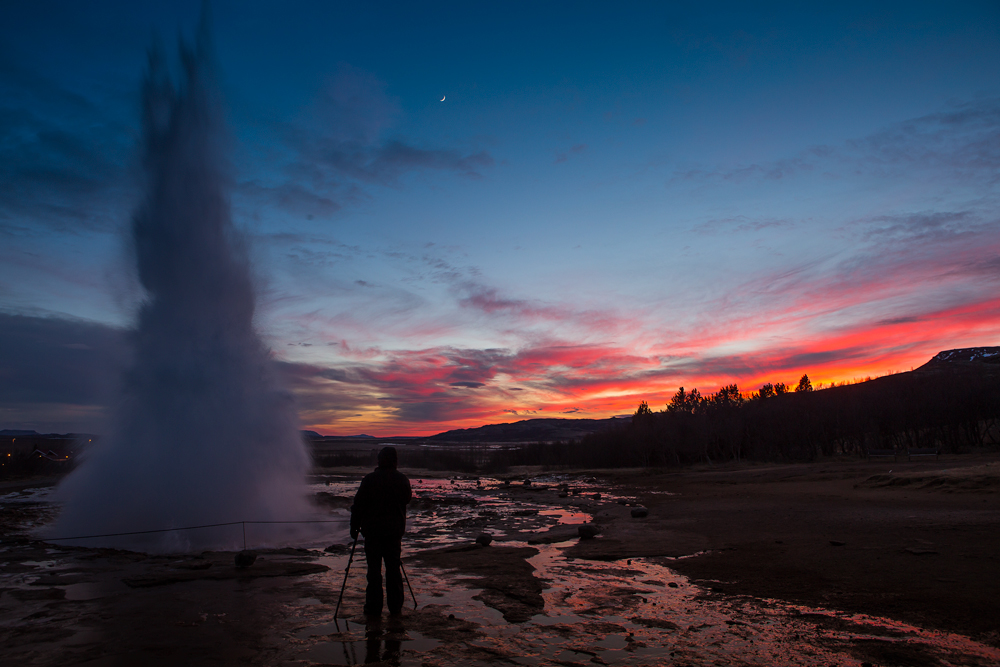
[625,612]
[634,611]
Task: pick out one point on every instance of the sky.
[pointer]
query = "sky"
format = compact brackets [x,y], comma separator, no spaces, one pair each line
[470,213]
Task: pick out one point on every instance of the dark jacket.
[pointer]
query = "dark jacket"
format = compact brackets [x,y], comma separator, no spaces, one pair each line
[379,508]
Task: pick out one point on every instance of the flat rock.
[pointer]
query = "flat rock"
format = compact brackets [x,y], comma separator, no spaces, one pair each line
[658,623]
[245,558]
[337,549]
[555,534]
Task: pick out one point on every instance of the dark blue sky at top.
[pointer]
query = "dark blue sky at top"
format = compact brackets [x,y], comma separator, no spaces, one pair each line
[686,193]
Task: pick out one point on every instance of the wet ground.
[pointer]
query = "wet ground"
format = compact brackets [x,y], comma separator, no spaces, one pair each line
[526,599]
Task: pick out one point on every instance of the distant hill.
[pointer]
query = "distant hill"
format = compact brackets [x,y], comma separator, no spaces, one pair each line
[528,430]
[964,355]
[313,435]
[950,404]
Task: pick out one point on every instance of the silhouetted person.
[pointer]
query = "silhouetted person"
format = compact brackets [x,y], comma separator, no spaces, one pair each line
[379,513]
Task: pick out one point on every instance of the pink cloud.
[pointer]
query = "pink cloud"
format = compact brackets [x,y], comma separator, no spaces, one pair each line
[435,389]
[889,307]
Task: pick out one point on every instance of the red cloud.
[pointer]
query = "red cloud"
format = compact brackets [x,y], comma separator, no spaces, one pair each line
[432,390]
[889,311]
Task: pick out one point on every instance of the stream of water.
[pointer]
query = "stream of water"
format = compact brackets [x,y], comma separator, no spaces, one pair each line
[630,612]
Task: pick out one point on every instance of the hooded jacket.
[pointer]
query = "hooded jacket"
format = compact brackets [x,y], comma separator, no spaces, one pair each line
[379,508]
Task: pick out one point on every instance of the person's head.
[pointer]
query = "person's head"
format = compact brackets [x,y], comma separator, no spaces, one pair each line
[387,457]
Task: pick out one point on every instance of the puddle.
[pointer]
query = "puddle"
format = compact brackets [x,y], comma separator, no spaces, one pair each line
[356,644]
[472,487]
[85,591]
[642,613]
[636,612]
[623,614]
[447,511]
[565,517]
[309,601]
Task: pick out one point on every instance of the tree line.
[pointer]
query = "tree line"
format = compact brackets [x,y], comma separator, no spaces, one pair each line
[953,410]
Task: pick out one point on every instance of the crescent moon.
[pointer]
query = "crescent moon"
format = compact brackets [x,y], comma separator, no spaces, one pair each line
[442,97]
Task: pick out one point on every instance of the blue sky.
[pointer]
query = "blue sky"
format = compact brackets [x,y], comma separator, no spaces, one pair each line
[611,202]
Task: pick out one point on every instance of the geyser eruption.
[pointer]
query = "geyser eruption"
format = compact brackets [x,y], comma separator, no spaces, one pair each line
[204,433]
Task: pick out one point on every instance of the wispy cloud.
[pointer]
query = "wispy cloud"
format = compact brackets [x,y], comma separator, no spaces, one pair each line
[385,163]
[489,301]
[741,224]
[962,143]
[61,159]
[576,149]
[964,140]
[886,303]
[427,390]
[918,228]
[768,171]
[343,144]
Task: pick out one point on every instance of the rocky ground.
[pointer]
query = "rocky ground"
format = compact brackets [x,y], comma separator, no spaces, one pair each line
[839,562]
[920,543]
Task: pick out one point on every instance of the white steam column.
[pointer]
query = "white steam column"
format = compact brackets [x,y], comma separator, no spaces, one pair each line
[204,433]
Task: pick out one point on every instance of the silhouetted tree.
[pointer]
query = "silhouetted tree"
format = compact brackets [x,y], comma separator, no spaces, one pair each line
[728,396]
[953,409]
[689,402]
[678,402]
[695,401]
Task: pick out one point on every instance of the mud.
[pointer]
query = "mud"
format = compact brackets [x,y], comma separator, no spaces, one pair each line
[506,580]
[822,535]
[734,566]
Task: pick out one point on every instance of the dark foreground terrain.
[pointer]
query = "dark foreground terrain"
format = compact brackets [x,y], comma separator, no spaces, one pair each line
[839,562]
[918,542]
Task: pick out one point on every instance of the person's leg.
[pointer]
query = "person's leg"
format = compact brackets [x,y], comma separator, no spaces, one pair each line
[373,593]
[393,576]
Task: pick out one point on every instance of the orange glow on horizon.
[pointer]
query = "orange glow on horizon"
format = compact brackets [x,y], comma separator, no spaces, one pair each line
[423,393]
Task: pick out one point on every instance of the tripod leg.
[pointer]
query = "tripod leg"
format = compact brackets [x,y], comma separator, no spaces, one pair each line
[407,577]
[347,570]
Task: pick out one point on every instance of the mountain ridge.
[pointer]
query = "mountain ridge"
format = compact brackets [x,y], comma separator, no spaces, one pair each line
[527,430]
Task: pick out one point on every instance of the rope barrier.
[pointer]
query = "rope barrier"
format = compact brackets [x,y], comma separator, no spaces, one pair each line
[208,525]
[244,525]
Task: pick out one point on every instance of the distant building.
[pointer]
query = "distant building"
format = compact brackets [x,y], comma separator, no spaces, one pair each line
[51,446]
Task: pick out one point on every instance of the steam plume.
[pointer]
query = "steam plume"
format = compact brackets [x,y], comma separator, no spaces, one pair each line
[204,433]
